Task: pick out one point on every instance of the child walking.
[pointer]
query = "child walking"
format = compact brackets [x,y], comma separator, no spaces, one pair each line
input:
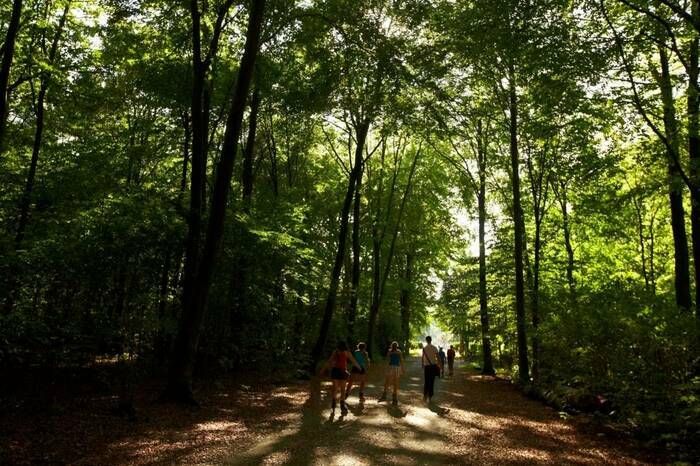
[394,372]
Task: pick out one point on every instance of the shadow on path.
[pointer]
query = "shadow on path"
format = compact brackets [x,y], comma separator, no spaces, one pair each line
[473,420]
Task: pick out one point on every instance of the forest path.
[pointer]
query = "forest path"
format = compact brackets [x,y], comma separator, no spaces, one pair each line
[473,420]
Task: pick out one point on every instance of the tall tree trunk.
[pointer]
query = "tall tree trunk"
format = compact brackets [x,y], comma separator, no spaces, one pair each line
[6,65]
[676,186]
[405,301]
[249,152]
[561,191]
[483,296]
[694,151]
[523,364]
[361,138]
[638,206]
[197,291]
[199,137]
[535,301]
[355,284]
[45,82]
[376,303]
[539,188]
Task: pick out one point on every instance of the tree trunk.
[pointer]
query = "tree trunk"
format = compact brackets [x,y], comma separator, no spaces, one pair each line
[483,296]
[377,302]
[197,291]
[45,81]
[694,151]
[642,243]
[199,137]
[535,302]
[405,301]
[318,348]
[249,152]
[676,187]
[355,284]
[523,365]
[6,64]
[563,204]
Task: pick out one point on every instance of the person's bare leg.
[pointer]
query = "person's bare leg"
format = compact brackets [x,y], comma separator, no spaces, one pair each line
[387,380]
[334,389]
[348,388]
[363,380]
[343,408]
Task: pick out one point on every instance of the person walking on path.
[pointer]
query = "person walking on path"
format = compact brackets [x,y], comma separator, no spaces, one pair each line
[338,362]
[431,368]
[451,359]
[359,376]
[443,358]
[394,372]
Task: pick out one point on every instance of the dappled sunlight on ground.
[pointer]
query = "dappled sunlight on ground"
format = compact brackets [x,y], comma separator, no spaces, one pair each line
[474,420]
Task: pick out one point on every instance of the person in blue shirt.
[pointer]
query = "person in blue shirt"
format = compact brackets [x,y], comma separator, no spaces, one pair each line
[359,375]
[394,372]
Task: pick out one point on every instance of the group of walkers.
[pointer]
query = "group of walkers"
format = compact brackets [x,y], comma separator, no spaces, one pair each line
[432,359]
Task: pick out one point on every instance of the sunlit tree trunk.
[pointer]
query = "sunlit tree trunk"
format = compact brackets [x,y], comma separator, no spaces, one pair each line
[483,296]
[523,364]
[676,186]
[693,111]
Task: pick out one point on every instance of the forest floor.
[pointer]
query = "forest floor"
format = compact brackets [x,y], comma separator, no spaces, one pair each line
[473,420]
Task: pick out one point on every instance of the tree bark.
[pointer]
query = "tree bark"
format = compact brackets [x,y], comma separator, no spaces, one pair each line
[6,65]
[523,364]
[405,301]
[45,81]
[693,110]
[562,197]
[539,186]
[355,283]
[483,296]
[249,152]
[185,348]
[317,351]
[377,302]
[676,186]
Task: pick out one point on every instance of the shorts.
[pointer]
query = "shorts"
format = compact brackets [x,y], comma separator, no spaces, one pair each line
[339,374]
[394,371]
[357,371]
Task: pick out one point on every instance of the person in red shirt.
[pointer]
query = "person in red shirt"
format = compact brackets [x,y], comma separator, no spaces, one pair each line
[451,359]
[338,362]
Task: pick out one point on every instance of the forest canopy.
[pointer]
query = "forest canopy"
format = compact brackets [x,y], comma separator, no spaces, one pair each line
[204,185]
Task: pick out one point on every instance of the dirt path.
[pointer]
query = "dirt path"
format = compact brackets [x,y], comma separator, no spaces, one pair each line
[473,420]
